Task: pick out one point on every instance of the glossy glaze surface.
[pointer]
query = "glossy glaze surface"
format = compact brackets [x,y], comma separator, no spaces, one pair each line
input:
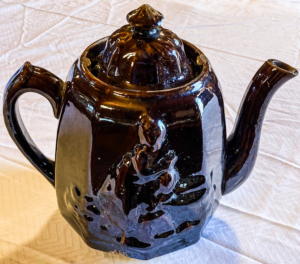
[144,55]
[244,140]
[145,184]
[145,17]
[30,78]
[140,169]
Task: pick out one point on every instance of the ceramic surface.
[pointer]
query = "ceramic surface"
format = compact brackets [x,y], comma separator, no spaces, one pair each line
[141,171]
[143,55]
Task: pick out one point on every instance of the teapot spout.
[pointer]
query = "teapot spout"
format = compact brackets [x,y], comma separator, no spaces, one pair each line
[242,144]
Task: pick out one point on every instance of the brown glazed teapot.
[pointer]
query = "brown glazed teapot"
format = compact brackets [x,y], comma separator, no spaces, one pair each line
[142,158]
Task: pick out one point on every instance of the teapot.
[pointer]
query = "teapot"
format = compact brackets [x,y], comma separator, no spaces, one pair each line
[142,159]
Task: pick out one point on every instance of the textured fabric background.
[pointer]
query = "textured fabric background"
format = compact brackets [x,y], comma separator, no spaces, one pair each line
[258,223]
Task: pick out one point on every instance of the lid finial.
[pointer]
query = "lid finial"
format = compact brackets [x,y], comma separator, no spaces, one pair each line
[145,17]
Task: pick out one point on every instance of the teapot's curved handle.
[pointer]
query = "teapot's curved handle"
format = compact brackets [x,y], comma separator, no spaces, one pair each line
[30,78]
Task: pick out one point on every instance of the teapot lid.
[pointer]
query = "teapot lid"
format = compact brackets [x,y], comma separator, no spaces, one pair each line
[143,55]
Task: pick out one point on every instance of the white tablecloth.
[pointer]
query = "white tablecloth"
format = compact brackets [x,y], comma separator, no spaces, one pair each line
[258,223]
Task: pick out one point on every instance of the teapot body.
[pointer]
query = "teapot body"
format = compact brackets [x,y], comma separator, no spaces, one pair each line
[140,173]
[142,158]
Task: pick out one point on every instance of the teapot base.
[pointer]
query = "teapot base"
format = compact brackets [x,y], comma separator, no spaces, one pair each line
[145,253]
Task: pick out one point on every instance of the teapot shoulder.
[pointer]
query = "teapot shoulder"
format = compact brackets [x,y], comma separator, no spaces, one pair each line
[91,97]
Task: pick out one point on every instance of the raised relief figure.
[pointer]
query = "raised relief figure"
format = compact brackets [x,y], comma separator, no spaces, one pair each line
[151,164]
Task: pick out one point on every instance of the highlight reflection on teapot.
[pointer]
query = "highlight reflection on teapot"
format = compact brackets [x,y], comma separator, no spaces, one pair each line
[142,158]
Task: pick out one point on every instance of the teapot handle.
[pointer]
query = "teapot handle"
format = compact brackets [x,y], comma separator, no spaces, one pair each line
[31,78]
